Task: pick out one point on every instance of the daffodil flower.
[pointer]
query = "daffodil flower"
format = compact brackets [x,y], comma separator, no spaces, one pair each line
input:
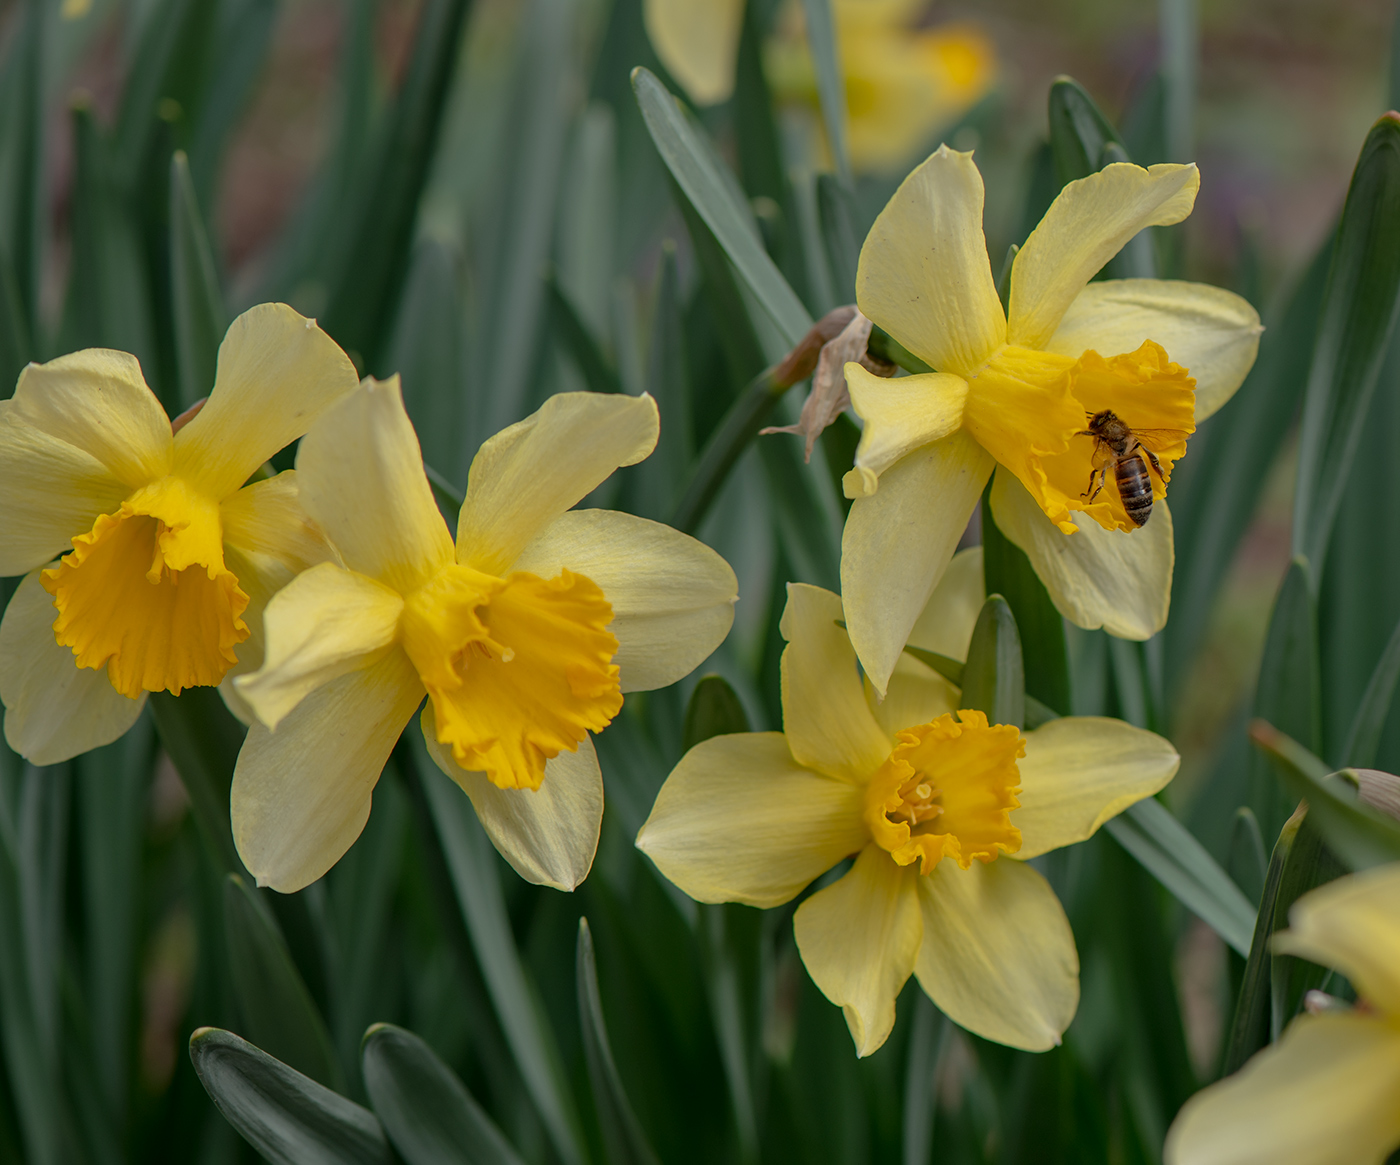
[523,635]
[169,554]
[938,807]
[1015,393]
[1328,1093]
[903,82]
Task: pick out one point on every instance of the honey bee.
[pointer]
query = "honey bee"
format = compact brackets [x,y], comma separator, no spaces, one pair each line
[1121,448]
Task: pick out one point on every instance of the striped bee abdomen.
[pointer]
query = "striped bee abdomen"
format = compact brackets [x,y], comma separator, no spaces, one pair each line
[1134,487]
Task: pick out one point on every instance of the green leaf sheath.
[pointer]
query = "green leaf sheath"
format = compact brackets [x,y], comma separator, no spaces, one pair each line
[289,1118]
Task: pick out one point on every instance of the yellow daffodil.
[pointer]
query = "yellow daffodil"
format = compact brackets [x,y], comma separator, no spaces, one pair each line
[1328,1093]
[170,555]
[523,635]
[939,808]
[903,82]
[1015,391]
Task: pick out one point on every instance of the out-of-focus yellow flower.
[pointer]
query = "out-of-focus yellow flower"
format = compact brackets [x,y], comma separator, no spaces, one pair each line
[170,555]
[523,635]
[903,82]
[1328,1093]
[939,808]
[1017,391]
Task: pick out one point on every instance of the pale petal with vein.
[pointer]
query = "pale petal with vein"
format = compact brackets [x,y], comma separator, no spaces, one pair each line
[360,475]
[901,415]
[54,710]
[1080,771]
[50,491]
[301,795]
[998,954]
[97,401]
[672,596]
[323,624]
[827,721]
[739,820]
[527,475]
[1089,222]
[897,544]
[1353,924]
[277,373]
[1119,581]
[924,275]
[549,835]
[1325,1094]
[859,938]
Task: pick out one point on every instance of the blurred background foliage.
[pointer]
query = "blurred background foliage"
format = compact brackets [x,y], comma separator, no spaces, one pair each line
[466,193]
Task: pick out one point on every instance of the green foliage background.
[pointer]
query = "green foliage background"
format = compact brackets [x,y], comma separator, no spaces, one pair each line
[513,218]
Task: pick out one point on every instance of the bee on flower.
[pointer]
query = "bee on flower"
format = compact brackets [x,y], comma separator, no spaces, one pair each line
[147,558]
[1329,1090]
[523,633]
[1079,385]
[938,808]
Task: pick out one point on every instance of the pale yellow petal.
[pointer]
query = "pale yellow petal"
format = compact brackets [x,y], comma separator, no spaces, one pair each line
[49,491]
[301,795]
[1119,581]
[827,721]
[916,695]
[268,540]
[97,400]
[360,477]
[898,543]
[951,612]
[54,709]
[1080,771]
[1212,332]
[738,820]
[1089,222]
[266,521]
[327,622]
[998,954]
[924,275]
[527,475]
[278,372]
[1353,924]
[1325,1094]
[901,414]
[698,42]
[858,939]
[672,596]
[549,835]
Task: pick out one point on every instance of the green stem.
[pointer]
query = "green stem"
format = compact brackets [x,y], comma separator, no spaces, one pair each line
[739,426]
[886,347]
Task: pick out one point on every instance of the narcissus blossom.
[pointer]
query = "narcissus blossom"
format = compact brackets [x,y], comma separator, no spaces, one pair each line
[903,82]
[169,555]
[939,809]
[1328,1093]
[523,635]
[1014,392]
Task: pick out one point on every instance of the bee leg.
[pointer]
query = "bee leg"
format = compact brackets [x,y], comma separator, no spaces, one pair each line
[1152,457]
[1100,473]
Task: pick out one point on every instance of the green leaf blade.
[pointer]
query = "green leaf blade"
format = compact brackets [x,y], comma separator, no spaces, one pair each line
[994,679]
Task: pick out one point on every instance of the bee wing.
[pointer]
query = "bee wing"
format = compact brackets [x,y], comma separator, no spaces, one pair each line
[1159,440]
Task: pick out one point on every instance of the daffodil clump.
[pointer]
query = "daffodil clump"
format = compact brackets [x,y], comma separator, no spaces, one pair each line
[1328,1092]
[148,554]
[938,808]
[524,633]
[903,82]
[1014,391]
